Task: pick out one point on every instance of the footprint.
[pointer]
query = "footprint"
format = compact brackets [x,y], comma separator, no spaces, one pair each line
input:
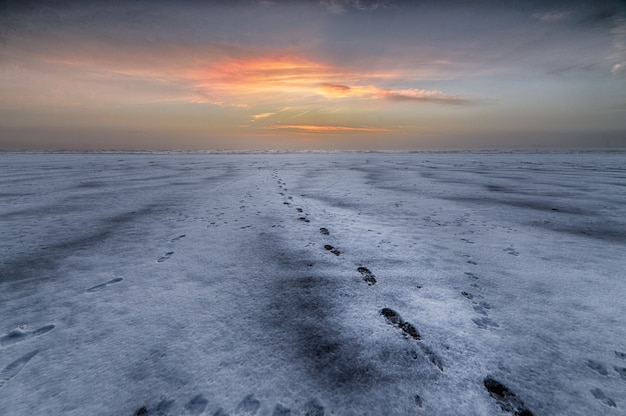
[599,394]
[248,406]
[467,295]
[621,355]
[480,310]
[368,276]
[220,412]
[507,400]
[142,411]
[472,262]
[324,231]
[11,370]
[332,249]
[178,238]
[299,209]
[598,367]
[485,323]
[280,410]
[165,256]
[313,408]
[103,285]
[432,357]
[471,275]
[164,407]
[20,334]
[396,320]
[195,406]
[511,250]
[621,371]
[305,219]
[418,400]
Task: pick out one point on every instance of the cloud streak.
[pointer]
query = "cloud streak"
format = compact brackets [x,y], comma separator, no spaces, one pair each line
[308,128]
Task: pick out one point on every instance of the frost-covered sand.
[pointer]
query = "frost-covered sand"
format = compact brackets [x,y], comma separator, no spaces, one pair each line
[313,284]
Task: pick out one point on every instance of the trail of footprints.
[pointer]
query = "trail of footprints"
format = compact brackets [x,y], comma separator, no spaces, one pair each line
[603,371]
[21,333]
[248,406]
[407,329]
[503,396]
[16,336]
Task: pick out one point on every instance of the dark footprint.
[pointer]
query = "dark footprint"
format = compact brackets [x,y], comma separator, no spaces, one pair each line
[280,410]
[142,411]
[418,400]
[165,256]
[220,412]
[485,323]
[621,355]
[103,285]
[396,320]
[43,330]
[305,219]
[507,400]
[324,231]
[11,370]
[621,371]
[332,249]
[196,405]
[599,394]
[18,334]
[299,209]
[313,408]
[471,275]
[598,367]
[467,295]
[368,276]
[178,238]
[248,406]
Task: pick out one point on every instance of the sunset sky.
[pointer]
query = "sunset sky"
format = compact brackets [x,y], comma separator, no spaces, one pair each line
[330,74]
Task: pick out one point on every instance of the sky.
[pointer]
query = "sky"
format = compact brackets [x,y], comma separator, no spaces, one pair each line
[319,74]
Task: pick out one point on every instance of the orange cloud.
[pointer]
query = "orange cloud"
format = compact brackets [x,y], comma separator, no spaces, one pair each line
[307,128]
[288,78]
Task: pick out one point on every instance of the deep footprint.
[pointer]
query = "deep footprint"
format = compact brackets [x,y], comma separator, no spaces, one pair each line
[248,406]
[19,334]
[368,276]
[165,256]
[506,399]
[332,249]
[178,238]
[396,320]
[11,370]
[621,371]
[324,231]
[599,394]
[598,367]
[196,405]
[103,285]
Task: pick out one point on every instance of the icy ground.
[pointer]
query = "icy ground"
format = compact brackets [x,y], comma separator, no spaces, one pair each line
[313,284]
